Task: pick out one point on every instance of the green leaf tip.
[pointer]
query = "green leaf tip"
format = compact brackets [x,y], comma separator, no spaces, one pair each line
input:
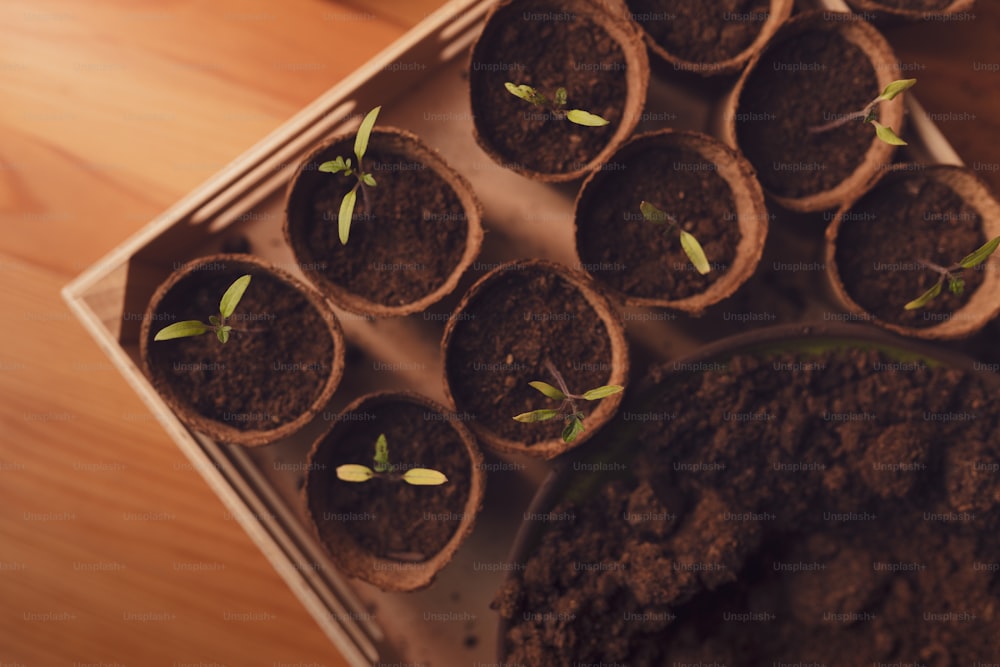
[351,472]
[585,118]
[548,390]
[574,427]
[364,133]
[536,416]
[695,253]
[335,166]
[381,453]
[651,213]
[184,329]
[980,255]
[346,215]
[885,133]
[895,88]
[602,392]
[232,296]
[424,477]
[925,298]
[523,91]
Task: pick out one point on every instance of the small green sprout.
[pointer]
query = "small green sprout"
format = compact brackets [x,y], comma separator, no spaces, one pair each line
[340,165]
[351,472]
[568,409]
[948,274]
[227,305]
[555,106]
[869,112]
[689,243]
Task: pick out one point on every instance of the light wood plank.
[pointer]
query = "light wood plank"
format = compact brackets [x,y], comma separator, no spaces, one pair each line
[112,548]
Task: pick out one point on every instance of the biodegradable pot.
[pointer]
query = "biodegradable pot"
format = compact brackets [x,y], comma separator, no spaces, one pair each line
[506,327]
[597,56]
[424,232]
[383,531]
[915,213]
[819,66]
[266,382]
[706,38]
[766,477]
[708,187]
[911,10]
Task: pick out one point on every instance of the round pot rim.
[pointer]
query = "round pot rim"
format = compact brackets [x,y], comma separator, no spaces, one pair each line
[882,60]
[417,575]
[837,333]
[975,313]
[750,247]
[603,309]
[734,63]
[212,427]
[413,146]
[626,34]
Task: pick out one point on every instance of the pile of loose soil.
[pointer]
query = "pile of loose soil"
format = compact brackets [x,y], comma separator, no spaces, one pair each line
[833,509]
[918,5]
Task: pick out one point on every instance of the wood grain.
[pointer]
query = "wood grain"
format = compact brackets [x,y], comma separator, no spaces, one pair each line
[112,549]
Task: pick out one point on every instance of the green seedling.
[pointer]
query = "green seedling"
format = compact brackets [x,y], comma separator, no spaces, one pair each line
[555,106]
[352,472]
[689,243]
[949,274]
[568,409]
[217,323]
[364,180]
[869,112]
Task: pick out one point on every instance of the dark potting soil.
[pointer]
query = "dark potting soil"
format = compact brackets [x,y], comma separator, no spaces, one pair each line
[547,48]
[925,5]
[644,259]
[699,31]
[904,220]
[524,317]
[802,82]
[391,518]
[402,249]
[838,509]
[261,378]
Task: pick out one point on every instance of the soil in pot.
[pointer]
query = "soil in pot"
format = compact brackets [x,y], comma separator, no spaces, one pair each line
[261,378]
[407,236]
[699,31]
[547,48]
[832,509]
[906,219]
[801,82]
[524,316]
[642,259]
[392,519]
[918,5]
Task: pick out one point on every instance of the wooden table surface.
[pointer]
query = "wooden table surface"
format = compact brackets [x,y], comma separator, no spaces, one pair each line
[113,551]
